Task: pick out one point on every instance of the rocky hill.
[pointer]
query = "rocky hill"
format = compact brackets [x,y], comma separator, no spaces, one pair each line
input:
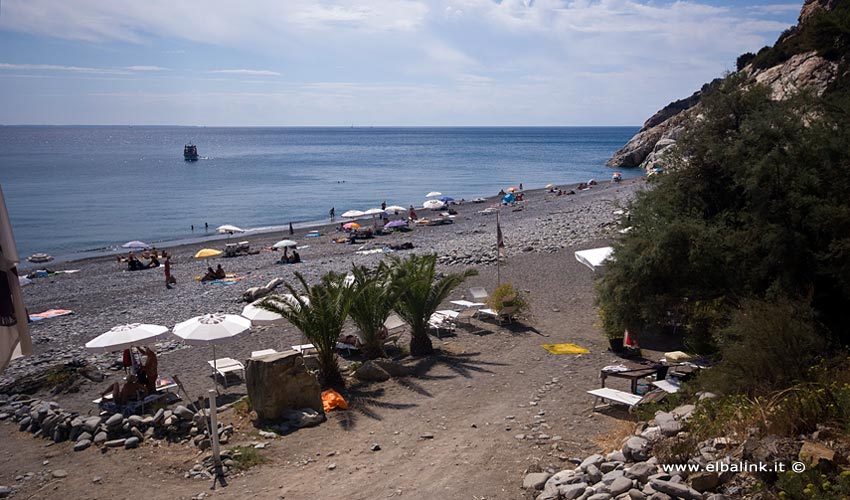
[807,56]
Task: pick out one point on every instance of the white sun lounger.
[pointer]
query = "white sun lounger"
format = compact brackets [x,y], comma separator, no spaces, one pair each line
[506,314]
[304,348]
[264,352]
[223,366]
[623,397]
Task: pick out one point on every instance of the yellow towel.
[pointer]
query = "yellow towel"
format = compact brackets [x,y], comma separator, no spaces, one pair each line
[565,349]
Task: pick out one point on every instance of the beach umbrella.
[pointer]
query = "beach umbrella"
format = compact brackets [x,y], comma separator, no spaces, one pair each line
[433,193]
[353,213]
[351,225]
[446,199]
[373,211]
[125,336]
[207,252]
[212,329]
[135,244]
[395,223]
[227,228]
[509,198]
[285,244]
[433,204]
[549,186]
[512,189]
[395,208]
[260,316]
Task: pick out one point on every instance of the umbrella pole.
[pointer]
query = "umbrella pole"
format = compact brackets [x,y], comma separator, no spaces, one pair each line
[215,370]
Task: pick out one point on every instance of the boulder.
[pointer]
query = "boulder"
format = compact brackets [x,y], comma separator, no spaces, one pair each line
[372,371]
[572,491]
[619,486]
[394,368]
[815,453]
[640,471]
[636,449]
[184,413]
[281,382]
[82,444]
[595,460]
[115,421]
[704,481]
[535,480]
[676,490]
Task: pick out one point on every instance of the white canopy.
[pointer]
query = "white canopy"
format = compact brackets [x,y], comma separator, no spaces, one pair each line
[260,316]
[373,211]
[595,257]
[433,204]
[124,336]
[353,213]
[227,228]
[212,329]
[285,244]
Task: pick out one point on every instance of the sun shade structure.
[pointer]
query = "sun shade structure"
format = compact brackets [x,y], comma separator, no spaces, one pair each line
[373,211]
[135,244]
[260,316]
[595,257]
[285,244]
[433,204]
[227,228]
[353,213]
[351,225]
[395,208]
[433,193]
[214,328]
[207,252]
[125,336]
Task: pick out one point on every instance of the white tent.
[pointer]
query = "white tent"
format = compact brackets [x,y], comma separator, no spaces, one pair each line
[595,257]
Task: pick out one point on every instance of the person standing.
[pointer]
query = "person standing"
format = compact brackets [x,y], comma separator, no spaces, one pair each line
[384,205]
[169,280]
[291,231]
[193,228]
[332,214]
[206,227]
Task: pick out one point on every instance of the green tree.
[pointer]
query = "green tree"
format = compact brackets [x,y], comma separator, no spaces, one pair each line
[319,311]
[420,291]
[373,301]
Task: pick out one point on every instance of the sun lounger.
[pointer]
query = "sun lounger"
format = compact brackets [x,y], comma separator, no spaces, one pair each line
[479,294]
[667,386]
[624,398]
[304,348]
[264,352]
[223,366]
[443,320]
[505,314]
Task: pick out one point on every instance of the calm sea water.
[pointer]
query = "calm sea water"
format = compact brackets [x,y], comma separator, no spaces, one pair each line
[72,191]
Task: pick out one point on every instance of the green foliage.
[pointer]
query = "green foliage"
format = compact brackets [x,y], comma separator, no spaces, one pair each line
[813,484]
[766,346]
[373,301]
[827,32]
[242,407]
[319,311]
[420,291]
[755,208]
[247,457]
[744,59]
[506,295]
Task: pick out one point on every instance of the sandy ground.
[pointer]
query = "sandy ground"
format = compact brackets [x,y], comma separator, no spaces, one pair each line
[490,406]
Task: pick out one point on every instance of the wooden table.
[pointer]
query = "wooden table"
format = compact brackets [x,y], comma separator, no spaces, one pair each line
[632,375]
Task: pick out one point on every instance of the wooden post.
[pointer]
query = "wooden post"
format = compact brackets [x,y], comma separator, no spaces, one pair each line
[214,428]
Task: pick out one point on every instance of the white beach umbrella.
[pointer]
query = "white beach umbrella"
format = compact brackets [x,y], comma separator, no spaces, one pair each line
[260,316]
[135,244]
[228,228]
[433,193]
[433,204]
[353,213]
[285,244]
[374,211]
[125,336]
[395,208]
[212,329]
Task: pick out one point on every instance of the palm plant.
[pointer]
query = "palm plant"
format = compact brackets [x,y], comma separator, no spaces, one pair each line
[319,311]
[420,292]
[372,302]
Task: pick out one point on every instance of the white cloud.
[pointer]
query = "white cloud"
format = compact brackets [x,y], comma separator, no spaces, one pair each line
[248,72]
[56,67]
[146,68]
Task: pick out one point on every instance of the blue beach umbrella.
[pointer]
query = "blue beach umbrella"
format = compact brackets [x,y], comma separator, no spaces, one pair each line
[446,199]
[509,198]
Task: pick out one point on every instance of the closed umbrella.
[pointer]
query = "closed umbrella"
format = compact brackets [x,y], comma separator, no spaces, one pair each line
[135,244]
[353,213]
[285,244]
[125,336]
[207,252]
[227,228]
[212,329]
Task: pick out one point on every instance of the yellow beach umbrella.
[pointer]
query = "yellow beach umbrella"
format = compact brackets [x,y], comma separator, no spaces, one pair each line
[207,252]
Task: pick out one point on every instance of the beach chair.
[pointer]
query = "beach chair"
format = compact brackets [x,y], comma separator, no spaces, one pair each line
[505,314]
[624,398]
[223,366]
[479,294]
[304,349]
[395,327]
[264,352]
[443,320]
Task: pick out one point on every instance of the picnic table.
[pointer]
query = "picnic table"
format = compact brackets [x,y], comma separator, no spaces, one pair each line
[633,375]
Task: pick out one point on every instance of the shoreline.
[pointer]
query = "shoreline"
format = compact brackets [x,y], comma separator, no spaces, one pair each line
[324,225]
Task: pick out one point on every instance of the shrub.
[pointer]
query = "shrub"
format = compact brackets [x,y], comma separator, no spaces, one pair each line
[744,59]
[247,457]
[506,295]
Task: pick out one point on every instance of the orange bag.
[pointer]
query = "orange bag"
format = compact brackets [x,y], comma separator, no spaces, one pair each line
[332,400]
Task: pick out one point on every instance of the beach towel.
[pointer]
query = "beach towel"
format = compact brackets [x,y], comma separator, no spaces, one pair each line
[332,400]
[222,282]
[565,349]
[52,313]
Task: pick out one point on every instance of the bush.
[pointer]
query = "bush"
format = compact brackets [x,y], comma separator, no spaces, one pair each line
[247,457]
[744,59]
[506,295]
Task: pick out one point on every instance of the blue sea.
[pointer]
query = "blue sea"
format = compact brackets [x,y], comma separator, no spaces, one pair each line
[77,191]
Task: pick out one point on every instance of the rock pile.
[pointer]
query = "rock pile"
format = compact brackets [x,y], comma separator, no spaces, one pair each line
[47,420]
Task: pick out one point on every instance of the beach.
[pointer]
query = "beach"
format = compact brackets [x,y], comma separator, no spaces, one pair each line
[474,398]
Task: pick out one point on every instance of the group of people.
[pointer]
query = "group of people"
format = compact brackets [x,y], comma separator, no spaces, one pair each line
[141,377]
[212,275]
[289,258]
[134,264]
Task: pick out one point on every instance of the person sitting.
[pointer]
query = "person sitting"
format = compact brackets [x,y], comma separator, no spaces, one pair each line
[502,192]
[150,369]
[132,391]
[294,258]
[154,262]
[210,276]
[219,273]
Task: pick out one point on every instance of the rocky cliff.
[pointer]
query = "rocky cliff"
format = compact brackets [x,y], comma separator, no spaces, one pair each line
[807,70]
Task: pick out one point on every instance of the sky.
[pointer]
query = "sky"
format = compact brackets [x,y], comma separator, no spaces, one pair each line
[368,62]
